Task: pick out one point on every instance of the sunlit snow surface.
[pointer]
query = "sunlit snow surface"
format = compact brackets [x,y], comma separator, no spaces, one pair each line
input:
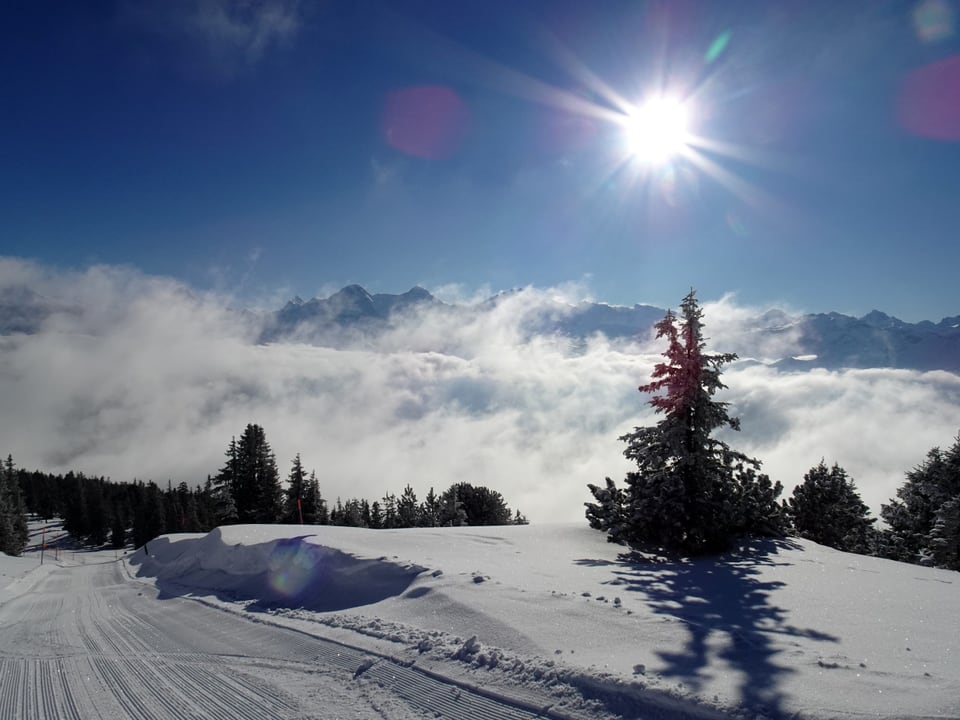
[776,627]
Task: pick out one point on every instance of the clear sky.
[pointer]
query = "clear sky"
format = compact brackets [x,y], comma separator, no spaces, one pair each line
[275,146]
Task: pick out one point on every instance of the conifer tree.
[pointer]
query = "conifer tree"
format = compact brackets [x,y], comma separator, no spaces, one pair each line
[376,516]
[466,504]
[407,509]
[14,533]
[75,506]
[223,488]
[149,517]
[827,509]
[313,505]
[118,529]
[923,523]
[430,510]
[691,492]
[389,507]
[296,494]
[452,513]
[257,490]
[98,519]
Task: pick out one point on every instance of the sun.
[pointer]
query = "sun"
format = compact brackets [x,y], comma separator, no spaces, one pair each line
[657,130]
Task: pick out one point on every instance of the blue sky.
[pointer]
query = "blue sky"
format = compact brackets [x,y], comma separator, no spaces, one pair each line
[290,147]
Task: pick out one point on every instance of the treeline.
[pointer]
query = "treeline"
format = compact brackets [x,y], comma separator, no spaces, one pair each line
[691,493]
[247,489]
[922,523]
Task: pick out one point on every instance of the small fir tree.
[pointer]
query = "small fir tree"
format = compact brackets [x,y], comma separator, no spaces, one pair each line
[827,509]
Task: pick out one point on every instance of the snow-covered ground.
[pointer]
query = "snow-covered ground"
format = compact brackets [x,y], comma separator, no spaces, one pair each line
[431,622]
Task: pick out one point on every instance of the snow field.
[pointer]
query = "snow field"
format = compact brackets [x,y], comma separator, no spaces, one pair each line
[775,629]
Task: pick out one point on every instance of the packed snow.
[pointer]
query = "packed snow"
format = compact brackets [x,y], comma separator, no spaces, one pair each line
[776,628]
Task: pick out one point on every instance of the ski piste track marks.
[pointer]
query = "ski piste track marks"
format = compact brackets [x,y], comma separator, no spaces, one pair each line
[135,657]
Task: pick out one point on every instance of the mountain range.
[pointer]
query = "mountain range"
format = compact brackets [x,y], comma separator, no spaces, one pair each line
[352,316]
[827,340]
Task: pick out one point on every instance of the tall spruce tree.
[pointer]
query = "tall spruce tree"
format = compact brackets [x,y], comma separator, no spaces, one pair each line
[690,493]
[827,509]
[257,491]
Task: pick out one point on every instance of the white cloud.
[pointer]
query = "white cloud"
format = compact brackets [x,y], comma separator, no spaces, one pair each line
[137,376]
[230,32]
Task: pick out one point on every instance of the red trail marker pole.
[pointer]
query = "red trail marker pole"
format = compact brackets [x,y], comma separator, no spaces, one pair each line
[300,510]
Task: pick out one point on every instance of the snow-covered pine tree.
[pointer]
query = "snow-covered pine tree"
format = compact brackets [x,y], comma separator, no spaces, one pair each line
[607,513]
[691,492]
[923,526]
[827,509]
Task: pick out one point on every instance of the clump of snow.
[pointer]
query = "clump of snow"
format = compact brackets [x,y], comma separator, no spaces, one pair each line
[773,629]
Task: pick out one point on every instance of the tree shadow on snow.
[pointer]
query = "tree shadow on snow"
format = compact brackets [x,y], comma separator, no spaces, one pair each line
[725,606]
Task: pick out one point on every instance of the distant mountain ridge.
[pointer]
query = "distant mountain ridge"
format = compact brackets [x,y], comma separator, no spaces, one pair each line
[827,340]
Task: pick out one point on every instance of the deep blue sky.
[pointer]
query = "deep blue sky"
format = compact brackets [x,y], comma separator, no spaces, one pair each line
[262,147]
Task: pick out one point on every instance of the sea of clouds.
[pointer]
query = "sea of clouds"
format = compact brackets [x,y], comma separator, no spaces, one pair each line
[135,376]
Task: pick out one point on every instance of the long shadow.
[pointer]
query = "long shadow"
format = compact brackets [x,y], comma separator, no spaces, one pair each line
[725,606]
[286,573]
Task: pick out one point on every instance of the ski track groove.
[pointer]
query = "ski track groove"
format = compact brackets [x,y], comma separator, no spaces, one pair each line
[259,703]
[72,713]
[155,661]
[454,703]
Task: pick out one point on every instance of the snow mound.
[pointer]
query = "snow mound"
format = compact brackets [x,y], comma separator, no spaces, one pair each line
[278,572]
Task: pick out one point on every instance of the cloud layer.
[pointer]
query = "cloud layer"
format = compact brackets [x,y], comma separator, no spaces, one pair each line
[133,376]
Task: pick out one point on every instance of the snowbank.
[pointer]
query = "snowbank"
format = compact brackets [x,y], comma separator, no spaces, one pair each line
[775,629]
[14,568]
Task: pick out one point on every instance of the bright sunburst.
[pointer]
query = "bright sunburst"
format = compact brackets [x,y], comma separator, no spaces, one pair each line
[658,130]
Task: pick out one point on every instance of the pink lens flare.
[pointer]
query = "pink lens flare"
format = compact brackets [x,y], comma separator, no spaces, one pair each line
[425,121]
[929,102]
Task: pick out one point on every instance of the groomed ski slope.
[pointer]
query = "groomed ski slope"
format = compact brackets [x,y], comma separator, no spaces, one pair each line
[296,622]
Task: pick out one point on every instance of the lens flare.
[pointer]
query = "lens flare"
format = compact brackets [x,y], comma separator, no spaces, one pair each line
[717,47]
[426,121]
[291,567]
[929,103]
[933,20]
